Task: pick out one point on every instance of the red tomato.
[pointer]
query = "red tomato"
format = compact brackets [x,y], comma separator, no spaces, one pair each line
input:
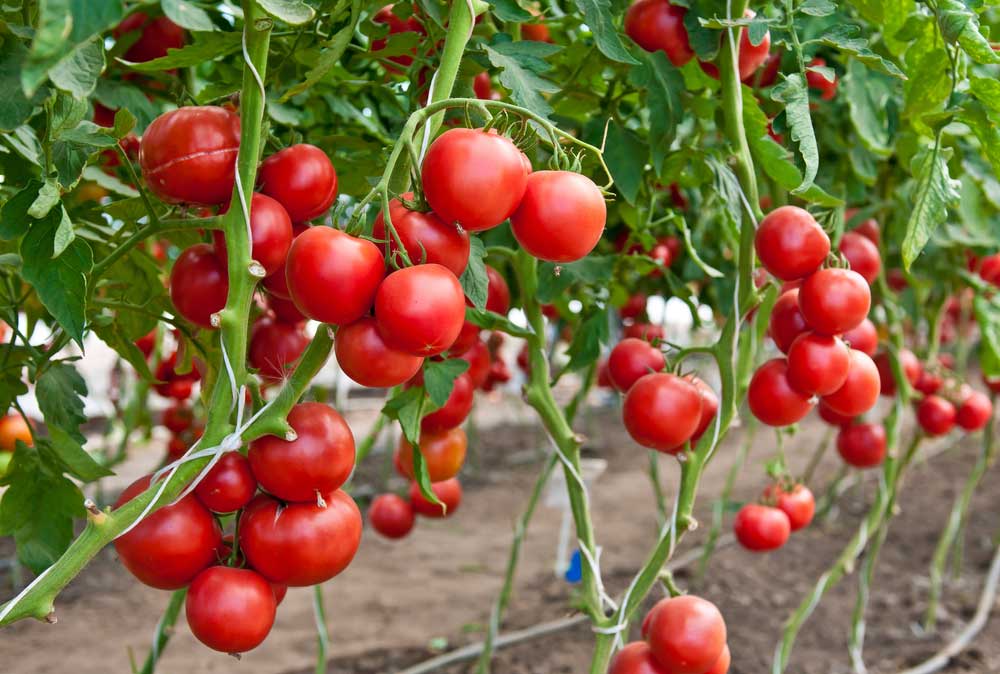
[443,452]
[302,179]
[368,360]
[474,178]
[860,391]
[862,445]
[467,338]
[790,243]
[300,544]
[721,665]
[798,504]
[862,255]
[818,364]
[912,369]
[636,658]
[13,428]
[482,86]
[975,411]
[391,516]
[498,297]
[928,383]
[761,528]
[146,343]
[478,358]
[658,25]
[786,322]
[868,228]
[271,234]
[176,418]
[171,545]
[773,399]
[662,411]
[333,277]
[603,376]
[819,82]
[228,486]
[687,634]
[561,217]
[318,461]
[537,32]
[285,310]
[632,359]
[277,283]
[176,386]
[771,67]
[454,411]
[425,237]
[420,310]
[230,610]
[751,56]
[634,308]
[989,270]
[936,415]
[834,300]
[275,348]
[199,284]
[709,406]
[396,25]
[864,337]
[188,155]
[647,331]
[449,492]
[833,418]
[158,35]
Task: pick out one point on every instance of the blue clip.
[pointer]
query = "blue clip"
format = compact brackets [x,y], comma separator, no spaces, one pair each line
[575,571]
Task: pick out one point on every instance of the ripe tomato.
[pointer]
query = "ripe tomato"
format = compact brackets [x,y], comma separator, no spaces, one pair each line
[658,25]
[158,35]
[912,369]
[473,177]
[449,492]
[929,383]
[773,399]
[636,658]
[302,179]
[188,155]
[662,411]
[721,665]
[561,217]
[761,528]
[228,486]
[285,311]
[467,338]
[862,254]
[323,259]
[199,284]
[270,230]
[786,322]
[420,310]
[790,243]
[936,415]
[538,32]
[751,56]
[634,308]
[867,228]
[862,445]
[819,82]
[478,358]
[368,360]
[686,634]
[647,331]
[425,237]
[277,283]
[798,504]
[455,409]
[13,428]
[498,297]
[171,545]
[860,390]
[482,86]
[833,418]
[391,516]
[818,364]
[443,452]
[709,406]
[834,300]
[318,461]
[230,610]
[632,359]
[300,544]
[146,343]
[864,337]
[275,348]
[176,418]
[974,412]
[173,385]
[396,25]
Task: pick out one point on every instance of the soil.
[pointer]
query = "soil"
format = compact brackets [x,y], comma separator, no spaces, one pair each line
[400,603]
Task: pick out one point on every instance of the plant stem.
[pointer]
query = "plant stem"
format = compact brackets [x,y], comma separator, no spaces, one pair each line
[322,633]
[817,456]
[164,629]
[658,495]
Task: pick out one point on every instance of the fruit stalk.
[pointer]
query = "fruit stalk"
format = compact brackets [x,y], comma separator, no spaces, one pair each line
[164,629]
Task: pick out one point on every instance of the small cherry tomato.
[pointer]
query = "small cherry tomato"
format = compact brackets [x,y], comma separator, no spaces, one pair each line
[275,348]
[228,486]
[687,634]
[632,359]
[662,411]
[391,516]
[773,399]
[862,445]
[199,284]
[834,300]
[860,390]
[936,415]
[790,243]
[443,452]
[230,610]
[657,25]
[365,357]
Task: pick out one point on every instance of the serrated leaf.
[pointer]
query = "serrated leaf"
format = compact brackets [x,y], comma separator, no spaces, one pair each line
[522,64]
[934,193]
[64,234]
[817,7]
[626,154]
[74,148]
[844,37]
[792,92]
[663,83]
[14,218]
[25,143]
[987,90]
[78,73]
[599,18]
[15,107]
[960,24]
[440,376]
[330,53]
[123,96]
[988,316]
[593,270]
[292,12]
[187,15]
[585,349]
[204,47]
[493,321]
[475,282]
[509,10]
[867,103]
[986,126]
[46,200]
[406,407]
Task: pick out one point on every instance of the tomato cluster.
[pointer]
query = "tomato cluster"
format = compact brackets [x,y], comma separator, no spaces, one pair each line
[784,509]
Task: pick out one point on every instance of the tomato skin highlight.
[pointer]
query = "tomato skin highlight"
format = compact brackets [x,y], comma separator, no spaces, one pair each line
[687,634]
[761,528]
[228,486]
[275,347]
[936,415]
[662,411]
[860,390]
[365,357]
[786,322]
[818,364]
[332,276]
[862,445]
[319,460]
[862,254]
[790,243]
[449,492]
[443,452]
[420,310]
[304,544]
[473,177]
[657,25]
[632,359]
[636,658]
[974,412]
[168,548]
[391,515]
[302,179]
[230,610]
[561,217]
[773,399]
[424,235]
[188,155]
[199,284]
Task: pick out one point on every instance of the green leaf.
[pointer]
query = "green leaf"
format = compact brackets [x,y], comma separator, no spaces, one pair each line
[292,12]
[330,53]
[988,316]
[47,198]
[960,24]
[625,154]
[867,101]
[109,182]
[64,234]
[987,90]
[844,36]
[593,270]
[78,73]
[204,47]
[61,283]
[440,376]
[692,250]
[15,107]
[74,148]
[121,95]
[14,218]
[489,320]
[509,10]
[25,143]
[522,64]
[795,96]
[663,83]
[817,7]
[599,18]
[986,126]
[406,407]
[588,338]
[475,282]
[934,193]
[187,15]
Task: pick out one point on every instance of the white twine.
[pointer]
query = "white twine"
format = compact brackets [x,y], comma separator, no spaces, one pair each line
[13,602]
